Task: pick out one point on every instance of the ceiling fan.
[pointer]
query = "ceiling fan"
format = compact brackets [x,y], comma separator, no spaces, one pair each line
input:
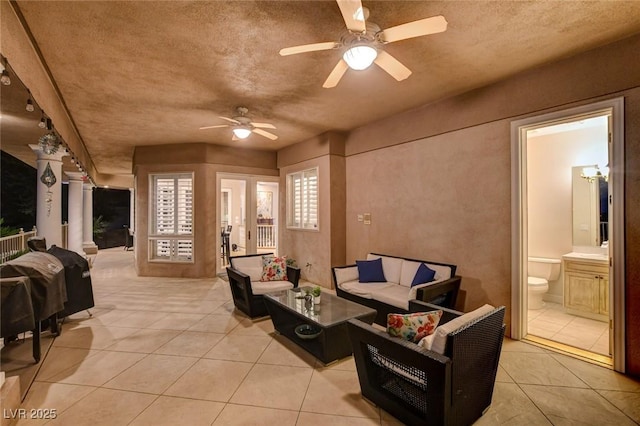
[242,126]
[363,42]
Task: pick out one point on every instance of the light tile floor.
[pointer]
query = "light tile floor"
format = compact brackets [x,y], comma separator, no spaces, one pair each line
[168,351]
[553,323]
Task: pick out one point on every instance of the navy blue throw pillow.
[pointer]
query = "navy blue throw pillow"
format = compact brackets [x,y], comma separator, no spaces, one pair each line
[370,271]
[423,275]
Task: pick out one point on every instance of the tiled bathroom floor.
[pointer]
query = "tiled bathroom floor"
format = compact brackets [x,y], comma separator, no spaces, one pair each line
[171,351]
[551,322]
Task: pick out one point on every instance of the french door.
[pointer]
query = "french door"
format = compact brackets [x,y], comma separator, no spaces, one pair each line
[248,210]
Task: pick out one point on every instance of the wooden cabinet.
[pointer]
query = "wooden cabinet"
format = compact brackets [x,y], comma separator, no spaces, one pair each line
[586,288]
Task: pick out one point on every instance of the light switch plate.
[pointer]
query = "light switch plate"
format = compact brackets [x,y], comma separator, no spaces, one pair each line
[360,218]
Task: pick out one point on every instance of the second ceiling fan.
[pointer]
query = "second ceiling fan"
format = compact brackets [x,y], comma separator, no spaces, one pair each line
[363,42]
[242,126]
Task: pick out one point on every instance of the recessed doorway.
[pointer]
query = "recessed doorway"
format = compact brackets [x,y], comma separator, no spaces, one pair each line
[566,252]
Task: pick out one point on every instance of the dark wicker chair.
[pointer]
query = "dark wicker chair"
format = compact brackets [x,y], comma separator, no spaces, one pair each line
[243,297]
[421,387]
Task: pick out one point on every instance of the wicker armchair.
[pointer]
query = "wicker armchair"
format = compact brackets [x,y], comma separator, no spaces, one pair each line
[245,297]
[421,387]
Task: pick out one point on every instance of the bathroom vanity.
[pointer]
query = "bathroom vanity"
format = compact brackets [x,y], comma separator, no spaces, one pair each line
[586,285]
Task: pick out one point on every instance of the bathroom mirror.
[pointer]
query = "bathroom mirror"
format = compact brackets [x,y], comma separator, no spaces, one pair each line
[590,208]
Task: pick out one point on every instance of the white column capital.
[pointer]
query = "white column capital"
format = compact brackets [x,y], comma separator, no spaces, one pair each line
[57,156]
[77,176]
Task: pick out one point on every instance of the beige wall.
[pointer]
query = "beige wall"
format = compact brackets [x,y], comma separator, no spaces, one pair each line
[443,198]
[324,248]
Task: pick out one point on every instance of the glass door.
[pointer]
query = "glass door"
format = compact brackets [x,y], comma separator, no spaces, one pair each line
[247,215]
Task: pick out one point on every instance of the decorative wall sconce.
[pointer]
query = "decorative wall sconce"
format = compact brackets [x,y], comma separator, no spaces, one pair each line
[30,106]
[49,143]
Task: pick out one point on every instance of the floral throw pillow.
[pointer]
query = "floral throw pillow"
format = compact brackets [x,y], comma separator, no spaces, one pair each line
[274,268]
[413,327]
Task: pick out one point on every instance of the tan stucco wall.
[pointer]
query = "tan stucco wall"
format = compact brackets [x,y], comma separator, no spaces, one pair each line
[433,200]
[326,247]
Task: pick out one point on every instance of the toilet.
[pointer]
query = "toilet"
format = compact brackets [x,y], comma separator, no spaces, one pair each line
[540,271]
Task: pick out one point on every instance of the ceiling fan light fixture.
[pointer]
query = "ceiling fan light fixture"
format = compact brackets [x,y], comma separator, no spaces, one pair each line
[241,132]
[360,56]
[30,106]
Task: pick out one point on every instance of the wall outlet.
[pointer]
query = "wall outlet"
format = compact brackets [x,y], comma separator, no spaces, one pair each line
[367,218]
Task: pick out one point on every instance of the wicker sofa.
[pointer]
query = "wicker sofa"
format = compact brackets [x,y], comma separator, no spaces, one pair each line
[393,296]
[450,384]
[244,274]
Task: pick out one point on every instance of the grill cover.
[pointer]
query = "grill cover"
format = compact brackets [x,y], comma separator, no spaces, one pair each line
[16,311]
[78,280]
[46,272]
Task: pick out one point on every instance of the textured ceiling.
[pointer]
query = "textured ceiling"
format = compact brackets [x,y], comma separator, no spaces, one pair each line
[141,73]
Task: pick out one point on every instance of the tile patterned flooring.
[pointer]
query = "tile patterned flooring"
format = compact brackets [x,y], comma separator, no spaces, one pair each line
[168,351]
[551,322]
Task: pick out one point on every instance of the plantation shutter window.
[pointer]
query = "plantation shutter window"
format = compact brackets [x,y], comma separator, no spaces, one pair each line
[302,199]
[171,233]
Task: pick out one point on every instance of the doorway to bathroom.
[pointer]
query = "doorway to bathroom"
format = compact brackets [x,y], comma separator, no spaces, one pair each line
[567,237]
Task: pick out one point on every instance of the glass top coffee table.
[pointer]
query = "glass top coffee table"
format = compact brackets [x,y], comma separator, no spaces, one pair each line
[320,329]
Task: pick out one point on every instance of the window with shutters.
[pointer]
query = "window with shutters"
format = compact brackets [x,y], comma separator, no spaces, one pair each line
[302,199]
[171,233]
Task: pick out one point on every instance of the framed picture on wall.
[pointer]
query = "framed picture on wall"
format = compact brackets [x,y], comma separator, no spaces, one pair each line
[265,205]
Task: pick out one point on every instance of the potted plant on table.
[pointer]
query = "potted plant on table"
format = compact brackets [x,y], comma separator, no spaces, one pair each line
[316,292]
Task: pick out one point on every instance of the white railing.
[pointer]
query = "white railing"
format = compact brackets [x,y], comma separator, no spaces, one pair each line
[267,236]
[14,244]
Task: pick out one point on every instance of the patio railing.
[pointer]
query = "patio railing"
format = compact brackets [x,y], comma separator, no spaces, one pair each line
[17,243]
[267,236]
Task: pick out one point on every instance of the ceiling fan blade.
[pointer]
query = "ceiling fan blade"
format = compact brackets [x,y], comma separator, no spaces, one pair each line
[328,45]
[265,134]
[336,75]
[263,125]
[230,119]
[392,66]
[422,27]
[214,127]
[353,14]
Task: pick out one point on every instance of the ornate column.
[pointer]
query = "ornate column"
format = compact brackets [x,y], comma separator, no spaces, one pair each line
[88,245]
[75,206]
[49,195]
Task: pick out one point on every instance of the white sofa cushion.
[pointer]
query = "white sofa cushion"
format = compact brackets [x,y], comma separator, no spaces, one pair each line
[395,295]
[409,269]
[442,272]
[408,272]
[346,274]
[251,266]
[365,290]
[441,333]
[390,265]
[263,287]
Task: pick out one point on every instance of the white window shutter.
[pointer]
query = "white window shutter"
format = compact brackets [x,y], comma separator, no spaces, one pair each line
[173,217]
